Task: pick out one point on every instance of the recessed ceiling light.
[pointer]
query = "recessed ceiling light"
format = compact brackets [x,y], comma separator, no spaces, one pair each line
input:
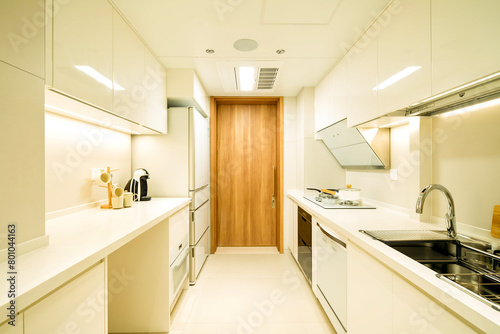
[280,51]
[245,45]
[247,78]
[209,51]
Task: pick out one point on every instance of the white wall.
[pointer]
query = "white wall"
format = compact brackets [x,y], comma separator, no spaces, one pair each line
[466,160]
[72,148]
[290,164]
[316,166]
[376,184]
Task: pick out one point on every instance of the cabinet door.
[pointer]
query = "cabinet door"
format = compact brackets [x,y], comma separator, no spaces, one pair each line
[17,329]
[22,27]
[414,312]
[369,294]
[294,241]
[129,94]
[82,51]
[362,79]
[337,93]
[321,104]
[78,307]
[464,42]
[155,82]
[178,236]
[22,138]
[404,45]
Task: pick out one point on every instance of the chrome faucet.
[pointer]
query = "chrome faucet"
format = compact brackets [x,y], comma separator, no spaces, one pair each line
[451,224]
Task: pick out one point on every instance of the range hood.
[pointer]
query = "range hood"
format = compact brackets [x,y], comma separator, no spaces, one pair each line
[357,147]
[476,92]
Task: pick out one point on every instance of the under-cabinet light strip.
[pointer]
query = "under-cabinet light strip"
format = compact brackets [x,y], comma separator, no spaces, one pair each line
[88,119]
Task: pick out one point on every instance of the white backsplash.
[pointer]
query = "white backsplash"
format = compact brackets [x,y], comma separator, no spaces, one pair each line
[72,148]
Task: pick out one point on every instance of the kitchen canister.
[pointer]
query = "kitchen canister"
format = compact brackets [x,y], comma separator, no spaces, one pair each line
[117,202]
[128,199]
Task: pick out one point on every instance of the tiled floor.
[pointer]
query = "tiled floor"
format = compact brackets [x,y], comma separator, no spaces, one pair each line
[250,293]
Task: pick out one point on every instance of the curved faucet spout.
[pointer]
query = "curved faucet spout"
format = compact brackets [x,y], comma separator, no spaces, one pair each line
[450,216]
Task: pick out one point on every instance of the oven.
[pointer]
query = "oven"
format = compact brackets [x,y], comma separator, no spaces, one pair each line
[304,234]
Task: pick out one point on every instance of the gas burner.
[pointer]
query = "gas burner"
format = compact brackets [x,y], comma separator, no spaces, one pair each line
[349,203]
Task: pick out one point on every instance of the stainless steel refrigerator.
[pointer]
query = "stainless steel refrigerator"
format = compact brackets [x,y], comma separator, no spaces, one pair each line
[179,166]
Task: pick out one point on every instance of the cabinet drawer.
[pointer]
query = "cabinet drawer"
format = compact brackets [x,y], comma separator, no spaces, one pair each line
[199,197]
[178,272]
[201,251]
[178,233]
[201,222]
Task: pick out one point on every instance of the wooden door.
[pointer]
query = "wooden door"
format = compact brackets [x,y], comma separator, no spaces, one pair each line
[246,155]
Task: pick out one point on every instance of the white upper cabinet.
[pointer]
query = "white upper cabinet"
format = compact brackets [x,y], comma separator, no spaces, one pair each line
[155,84]
[22,27]
[129,94]
[321,103]
[337,96]
[184,89]
[362,79]
[465,45]
[83,51]
[404,53]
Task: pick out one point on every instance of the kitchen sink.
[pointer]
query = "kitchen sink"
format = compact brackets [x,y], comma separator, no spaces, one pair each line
[465,262]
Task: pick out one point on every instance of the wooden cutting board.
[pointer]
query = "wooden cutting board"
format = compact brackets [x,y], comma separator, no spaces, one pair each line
[495,222]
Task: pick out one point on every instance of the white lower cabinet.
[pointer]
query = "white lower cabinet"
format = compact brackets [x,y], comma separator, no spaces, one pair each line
[17,329]
[414,312]
[294,246]
[178,273]
[380,301]
[178,236]
[330,274]
[77,307]
[369,294]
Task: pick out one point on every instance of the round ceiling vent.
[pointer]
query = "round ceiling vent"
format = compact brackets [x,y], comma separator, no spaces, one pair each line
[245,45]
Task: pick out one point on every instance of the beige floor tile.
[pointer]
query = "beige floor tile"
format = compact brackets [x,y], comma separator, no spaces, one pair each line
[250,293]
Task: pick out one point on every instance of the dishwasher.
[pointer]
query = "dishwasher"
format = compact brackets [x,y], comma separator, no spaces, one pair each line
[331,259]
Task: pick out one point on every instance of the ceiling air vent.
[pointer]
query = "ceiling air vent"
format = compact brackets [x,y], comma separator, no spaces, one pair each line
[267,78]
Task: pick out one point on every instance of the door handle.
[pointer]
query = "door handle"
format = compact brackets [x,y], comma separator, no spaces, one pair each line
[274,188]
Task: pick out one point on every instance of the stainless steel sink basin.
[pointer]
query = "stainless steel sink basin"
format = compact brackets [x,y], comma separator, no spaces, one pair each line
[465,262]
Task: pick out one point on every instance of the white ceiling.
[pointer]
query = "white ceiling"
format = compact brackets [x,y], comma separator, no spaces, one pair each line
[314,33]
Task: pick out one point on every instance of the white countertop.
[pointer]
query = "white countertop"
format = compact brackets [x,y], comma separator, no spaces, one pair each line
[78,241]
[348,223]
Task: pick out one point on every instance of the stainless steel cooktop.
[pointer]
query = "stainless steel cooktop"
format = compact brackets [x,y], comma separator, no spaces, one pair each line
[327,203]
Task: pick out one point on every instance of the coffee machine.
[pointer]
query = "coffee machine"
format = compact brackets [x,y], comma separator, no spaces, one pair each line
[138,185]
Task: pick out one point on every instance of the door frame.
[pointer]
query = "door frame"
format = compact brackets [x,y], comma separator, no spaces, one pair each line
[214,103]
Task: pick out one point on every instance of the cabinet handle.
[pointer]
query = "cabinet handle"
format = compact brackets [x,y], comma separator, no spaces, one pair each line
[337,240]
[180,246]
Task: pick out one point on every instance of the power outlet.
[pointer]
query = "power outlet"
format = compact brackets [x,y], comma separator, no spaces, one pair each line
[94,173]
[394,174]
